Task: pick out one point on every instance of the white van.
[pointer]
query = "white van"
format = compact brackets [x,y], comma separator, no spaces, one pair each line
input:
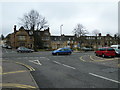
[115,46]
[117,49]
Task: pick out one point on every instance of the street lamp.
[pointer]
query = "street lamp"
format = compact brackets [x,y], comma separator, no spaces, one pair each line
[61,29]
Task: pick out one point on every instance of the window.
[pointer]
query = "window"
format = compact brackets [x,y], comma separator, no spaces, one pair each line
[21,38]
[101,49]
[55,39]
[110,49]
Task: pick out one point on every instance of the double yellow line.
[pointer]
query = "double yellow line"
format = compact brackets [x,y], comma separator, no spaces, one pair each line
[103,59]
[15,85]
[13,72]
[81,58]
[29,67]
[25,65]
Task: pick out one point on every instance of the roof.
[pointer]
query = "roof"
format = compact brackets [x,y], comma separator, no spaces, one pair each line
[62,38]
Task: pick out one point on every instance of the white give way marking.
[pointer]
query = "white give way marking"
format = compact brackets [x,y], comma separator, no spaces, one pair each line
[35,62]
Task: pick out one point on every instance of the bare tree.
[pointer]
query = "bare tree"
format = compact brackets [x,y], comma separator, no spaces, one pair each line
[80,30]
[33,20]
[96,32]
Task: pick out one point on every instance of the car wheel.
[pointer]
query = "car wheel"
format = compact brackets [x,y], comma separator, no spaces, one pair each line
[96,54]
[103,55]
[57,54]
[69,53]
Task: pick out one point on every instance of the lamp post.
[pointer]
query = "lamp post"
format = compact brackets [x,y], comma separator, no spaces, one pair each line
[61,29]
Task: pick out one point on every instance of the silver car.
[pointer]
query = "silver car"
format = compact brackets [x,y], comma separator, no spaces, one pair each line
[24,49]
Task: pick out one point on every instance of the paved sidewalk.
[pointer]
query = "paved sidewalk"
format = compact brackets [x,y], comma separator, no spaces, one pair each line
[17,75]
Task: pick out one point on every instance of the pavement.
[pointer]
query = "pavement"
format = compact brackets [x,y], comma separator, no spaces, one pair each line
[17,75]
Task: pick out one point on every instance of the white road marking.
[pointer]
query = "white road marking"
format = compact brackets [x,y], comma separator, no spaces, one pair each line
[41,57]
[56,62]
[36,62]
[64,65]
[68,66]
[104,78]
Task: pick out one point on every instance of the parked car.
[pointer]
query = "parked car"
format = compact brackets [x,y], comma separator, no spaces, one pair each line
[117,51]
[9,47]
[24,49]
[115,46]
[105,52]
[86,49]
[62,51]
[4,46]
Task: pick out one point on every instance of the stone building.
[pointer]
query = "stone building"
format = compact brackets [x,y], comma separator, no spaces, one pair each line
[25,38]
[62,41]
[99,41]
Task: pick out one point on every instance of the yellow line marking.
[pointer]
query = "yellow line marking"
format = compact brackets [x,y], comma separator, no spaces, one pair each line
[27,66]
[102,60]
[16,85]
[91,58]
[0,69]
[81,58]
[13,72]
[118,65]
[30,68]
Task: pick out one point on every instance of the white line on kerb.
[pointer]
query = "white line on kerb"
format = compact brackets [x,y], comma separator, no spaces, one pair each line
[104,78]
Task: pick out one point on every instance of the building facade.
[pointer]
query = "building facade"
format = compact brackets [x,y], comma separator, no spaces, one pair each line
[25,38]
[63,41]
[99,41]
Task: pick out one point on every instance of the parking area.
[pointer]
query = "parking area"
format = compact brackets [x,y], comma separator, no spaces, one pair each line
[110,61]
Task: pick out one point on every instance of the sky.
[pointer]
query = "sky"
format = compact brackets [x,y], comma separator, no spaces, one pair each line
[93,14]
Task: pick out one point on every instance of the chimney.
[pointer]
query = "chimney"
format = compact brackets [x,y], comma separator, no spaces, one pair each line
[14,28]
[99,34]
[115,35]
[108,35]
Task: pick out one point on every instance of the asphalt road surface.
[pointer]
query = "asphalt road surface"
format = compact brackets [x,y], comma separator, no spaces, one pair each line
[78,70]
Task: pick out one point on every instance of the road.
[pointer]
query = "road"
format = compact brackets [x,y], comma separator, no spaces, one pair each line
[78,70]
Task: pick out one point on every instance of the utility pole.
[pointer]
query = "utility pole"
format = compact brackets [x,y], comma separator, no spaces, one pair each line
[61,29]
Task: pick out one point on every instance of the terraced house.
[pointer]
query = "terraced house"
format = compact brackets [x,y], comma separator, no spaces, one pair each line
[63,41]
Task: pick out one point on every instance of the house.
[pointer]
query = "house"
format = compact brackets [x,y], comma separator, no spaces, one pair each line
[98,41]
[62,41]
[25,38]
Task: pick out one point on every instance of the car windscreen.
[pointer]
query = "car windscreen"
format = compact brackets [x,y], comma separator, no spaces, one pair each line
[101,49]
[59,49]
[110,49]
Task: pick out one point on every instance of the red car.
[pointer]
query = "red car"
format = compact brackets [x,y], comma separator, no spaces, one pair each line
[105,52]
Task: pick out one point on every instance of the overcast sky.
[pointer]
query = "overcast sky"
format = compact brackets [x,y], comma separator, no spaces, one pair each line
[93,15]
